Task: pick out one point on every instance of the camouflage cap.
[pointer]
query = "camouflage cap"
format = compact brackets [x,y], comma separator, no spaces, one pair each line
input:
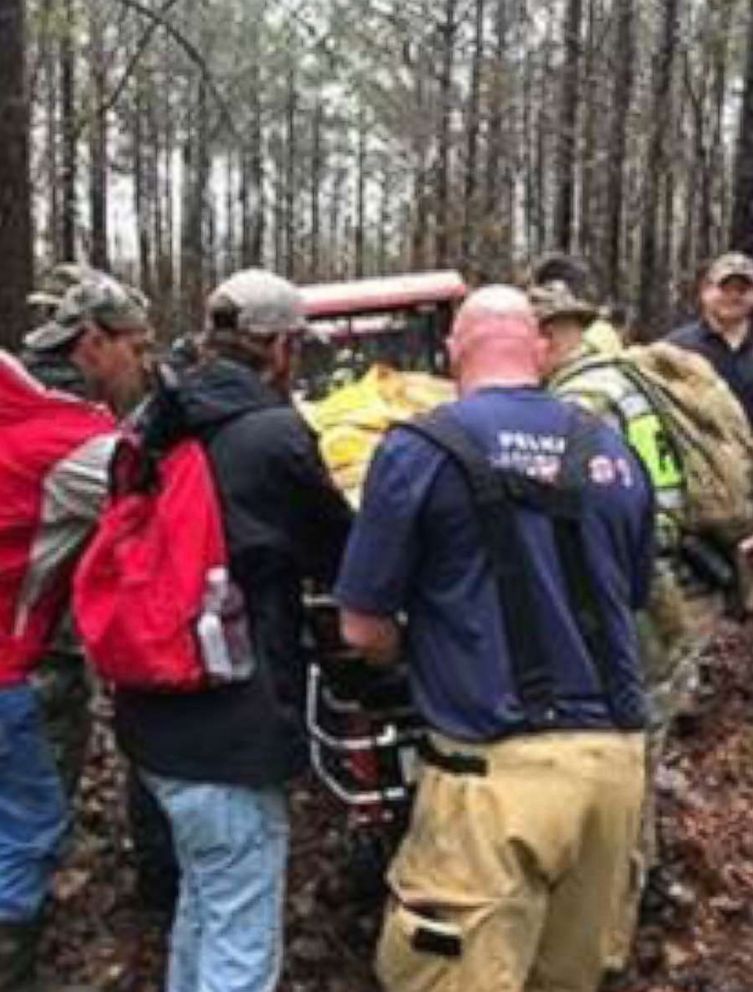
[554,300]
[74,294]
[264,303]
[732,263]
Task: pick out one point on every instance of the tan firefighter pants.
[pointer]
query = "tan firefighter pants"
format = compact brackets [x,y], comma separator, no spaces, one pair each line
[512,881]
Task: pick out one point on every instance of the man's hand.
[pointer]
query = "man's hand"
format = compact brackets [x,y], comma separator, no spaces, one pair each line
[375,638]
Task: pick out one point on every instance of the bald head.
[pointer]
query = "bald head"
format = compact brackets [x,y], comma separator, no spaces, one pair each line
[495,338]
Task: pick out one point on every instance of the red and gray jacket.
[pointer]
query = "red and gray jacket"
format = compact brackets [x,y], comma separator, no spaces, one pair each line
[54,453]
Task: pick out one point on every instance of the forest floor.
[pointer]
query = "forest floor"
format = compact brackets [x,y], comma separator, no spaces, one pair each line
[699,939]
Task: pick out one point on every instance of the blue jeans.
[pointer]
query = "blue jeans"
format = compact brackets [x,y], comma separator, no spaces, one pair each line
[33,818]
[231,844]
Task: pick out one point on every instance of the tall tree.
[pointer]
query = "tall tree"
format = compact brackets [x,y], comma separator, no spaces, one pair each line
[618,133]
[348,136]
[498,194]
[69,126]
[568,124]
[98,137]
[470,214]
[448,41]
[15,207]
[741,232]
[653,293]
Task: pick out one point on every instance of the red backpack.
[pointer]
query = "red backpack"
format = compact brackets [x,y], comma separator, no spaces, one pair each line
[51,445]
[153,599]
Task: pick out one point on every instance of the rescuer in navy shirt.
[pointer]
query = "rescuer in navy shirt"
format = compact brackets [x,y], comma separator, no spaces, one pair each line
[723,333]
[518,852]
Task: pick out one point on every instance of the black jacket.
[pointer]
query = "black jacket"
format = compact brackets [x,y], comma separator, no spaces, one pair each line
[734,366]
[284,521]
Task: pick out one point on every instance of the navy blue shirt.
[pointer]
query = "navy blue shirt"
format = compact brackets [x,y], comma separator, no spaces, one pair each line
[416,547]
[734,365]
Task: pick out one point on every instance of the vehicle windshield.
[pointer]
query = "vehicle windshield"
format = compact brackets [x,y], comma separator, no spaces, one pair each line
[340,350]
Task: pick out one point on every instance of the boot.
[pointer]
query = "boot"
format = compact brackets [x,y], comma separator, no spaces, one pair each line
[18,960]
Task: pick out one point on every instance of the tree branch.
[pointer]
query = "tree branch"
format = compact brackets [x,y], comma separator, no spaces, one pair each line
[160,20]
[141,47]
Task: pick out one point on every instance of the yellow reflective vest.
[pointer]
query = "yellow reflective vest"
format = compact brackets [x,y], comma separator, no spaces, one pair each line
[596,382]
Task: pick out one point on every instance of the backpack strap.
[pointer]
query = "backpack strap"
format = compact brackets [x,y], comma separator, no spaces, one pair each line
[494,495]
[497,496]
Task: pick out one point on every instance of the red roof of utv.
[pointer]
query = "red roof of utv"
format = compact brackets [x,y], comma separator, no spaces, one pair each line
[341,299]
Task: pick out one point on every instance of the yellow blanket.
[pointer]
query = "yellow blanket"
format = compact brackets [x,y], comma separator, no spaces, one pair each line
[351,421]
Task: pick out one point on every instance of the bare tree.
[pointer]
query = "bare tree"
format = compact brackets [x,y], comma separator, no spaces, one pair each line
[448,40]
[376,135]
[568,124]
[741,232]
[98,171]
[618,134]
[15,211]
[69,127]
[653,294]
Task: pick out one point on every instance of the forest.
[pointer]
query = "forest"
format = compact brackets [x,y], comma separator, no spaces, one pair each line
[175,141]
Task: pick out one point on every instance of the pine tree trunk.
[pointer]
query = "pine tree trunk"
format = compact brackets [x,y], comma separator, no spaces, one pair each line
[419,180]
[15,193]
[495,250]
[447,58]
[568,124]
[621,100]
[360,228]
[468,241]
[653,292]
[317,170]
[588,222]
[741,231]
[68,178]
[196,161]
[52,157]
[257,164]
[98,139]
[140,196]
[291,152]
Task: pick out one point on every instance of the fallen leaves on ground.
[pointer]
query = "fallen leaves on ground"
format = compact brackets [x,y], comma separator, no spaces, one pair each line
[697,937]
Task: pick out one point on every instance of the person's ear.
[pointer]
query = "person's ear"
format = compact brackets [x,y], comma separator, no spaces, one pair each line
[279,363]
[281,350]
[453,352]
[542,347]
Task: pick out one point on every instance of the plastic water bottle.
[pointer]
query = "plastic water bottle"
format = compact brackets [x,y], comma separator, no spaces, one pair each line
[210,630]
[235,624]
[223,631]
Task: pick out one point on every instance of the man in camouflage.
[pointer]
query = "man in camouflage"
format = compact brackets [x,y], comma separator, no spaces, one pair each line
[681,611]
[61,679]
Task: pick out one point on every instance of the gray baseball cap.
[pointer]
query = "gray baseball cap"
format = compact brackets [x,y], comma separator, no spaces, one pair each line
[74,294]
[264,303]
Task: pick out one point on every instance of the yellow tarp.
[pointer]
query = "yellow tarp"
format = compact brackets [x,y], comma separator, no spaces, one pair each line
[351,421]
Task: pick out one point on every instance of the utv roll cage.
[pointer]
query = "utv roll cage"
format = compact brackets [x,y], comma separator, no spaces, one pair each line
[400,320]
